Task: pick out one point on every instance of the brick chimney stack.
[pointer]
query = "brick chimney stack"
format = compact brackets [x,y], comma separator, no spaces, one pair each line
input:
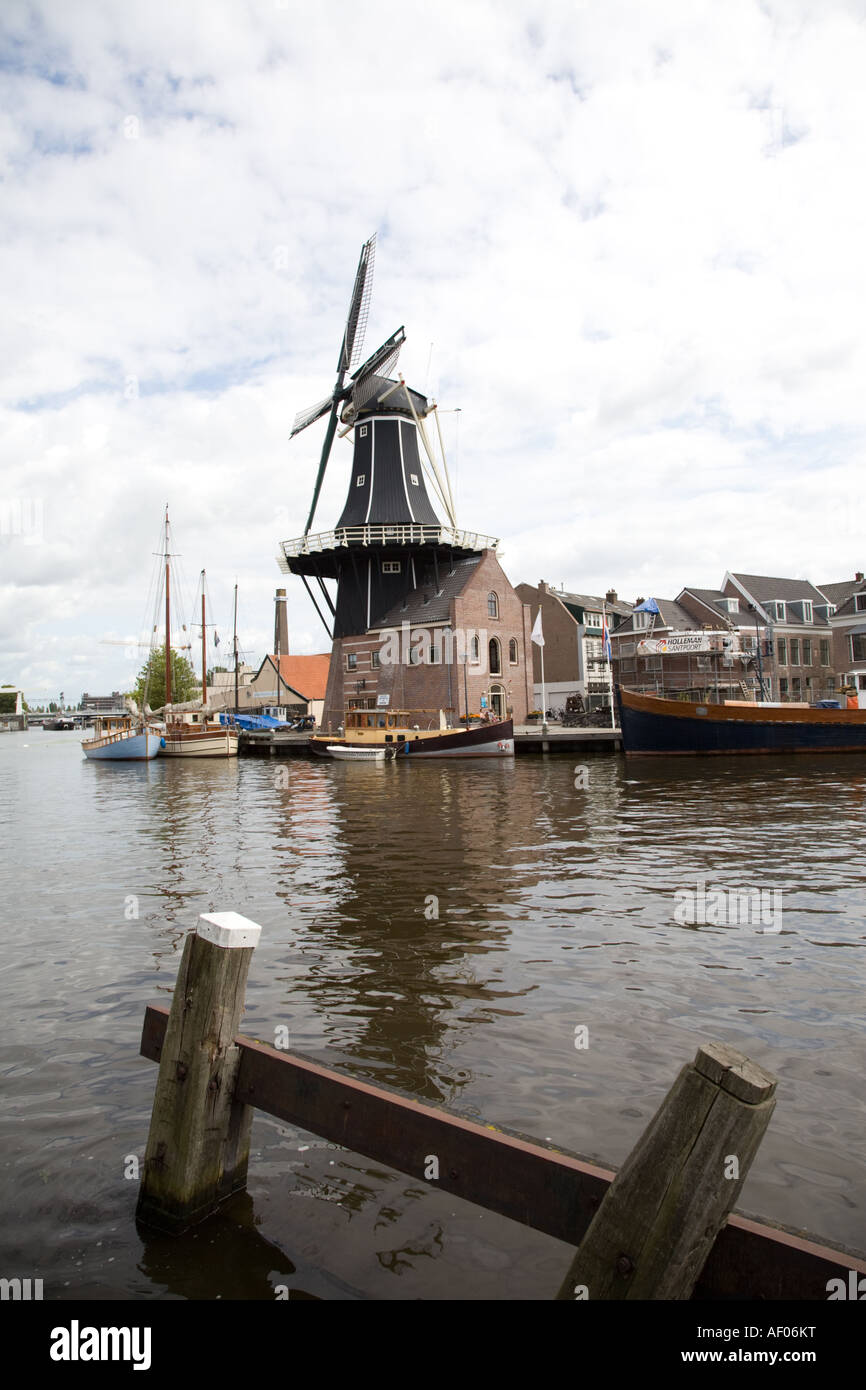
[859,577]
[281,625]
[610,596]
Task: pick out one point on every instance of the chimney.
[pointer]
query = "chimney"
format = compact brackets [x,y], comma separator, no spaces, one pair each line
[281,625]
[610,596]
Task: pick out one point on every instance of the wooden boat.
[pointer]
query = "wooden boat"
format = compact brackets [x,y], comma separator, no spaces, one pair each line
[656,727]
[197,733]
[194,734]
[403,731]
[121,738]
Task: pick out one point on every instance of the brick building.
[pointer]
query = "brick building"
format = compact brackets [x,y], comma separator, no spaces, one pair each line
[573,658]
[848,625]
[756,627]
[460,637]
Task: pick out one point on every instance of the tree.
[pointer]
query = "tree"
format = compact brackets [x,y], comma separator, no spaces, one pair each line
[151,680]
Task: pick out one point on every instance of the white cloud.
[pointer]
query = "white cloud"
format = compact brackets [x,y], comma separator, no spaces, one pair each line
[632,234]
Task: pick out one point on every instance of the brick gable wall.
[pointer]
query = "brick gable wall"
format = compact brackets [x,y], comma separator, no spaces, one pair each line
[439,685]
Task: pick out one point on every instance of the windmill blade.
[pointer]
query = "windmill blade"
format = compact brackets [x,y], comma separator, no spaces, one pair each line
[359,308]
[310,415]
[323,463]
[383,359]
[368,379]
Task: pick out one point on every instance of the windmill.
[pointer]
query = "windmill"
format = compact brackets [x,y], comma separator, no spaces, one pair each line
[389,538]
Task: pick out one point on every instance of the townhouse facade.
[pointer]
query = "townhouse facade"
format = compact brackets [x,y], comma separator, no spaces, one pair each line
[574,661]
[798,641]
[848,624]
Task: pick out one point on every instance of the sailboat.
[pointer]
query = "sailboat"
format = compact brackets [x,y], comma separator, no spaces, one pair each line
[197,732]
[122,738]
[131,737]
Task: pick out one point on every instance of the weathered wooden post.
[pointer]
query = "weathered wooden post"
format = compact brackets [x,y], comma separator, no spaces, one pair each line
[198,1146]
[661,1214]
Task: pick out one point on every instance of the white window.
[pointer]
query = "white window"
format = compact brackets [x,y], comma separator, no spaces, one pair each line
[733,605]
[779,611]
[362,431]
[807,611]
[413,479]
[640,620]
[360,480]
[391,566]
[859,604]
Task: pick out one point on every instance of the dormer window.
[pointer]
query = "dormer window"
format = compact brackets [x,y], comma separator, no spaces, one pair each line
[640,620]
[859,603]
[807,611]
[732,605]
[777,610]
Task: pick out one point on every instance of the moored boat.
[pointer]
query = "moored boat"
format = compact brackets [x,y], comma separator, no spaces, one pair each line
[359,755]
[197,733]
[654,726]
[401,731]
[194,735]
[121,738]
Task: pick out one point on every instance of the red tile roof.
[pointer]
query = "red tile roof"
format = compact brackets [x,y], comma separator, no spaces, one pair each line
[308,675]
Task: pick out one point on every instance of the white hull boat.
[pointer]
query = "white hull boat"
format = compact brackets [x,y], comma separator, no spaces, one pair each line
[357,755]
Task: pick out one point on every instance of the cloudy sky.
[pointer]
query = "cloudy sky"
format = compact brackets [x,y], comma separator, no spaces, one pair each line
[626,239]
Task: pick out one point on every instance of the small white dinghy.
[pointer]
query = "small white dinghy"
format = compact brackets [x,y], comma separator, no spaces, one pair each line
[357,755]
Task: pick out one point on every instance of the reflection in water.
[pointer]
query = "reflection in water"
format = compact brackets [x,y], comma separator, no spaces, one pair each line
[440,928]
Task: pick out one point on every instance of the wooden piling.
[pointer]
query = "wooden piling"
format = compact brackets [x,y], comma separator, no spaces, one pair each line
[661,1214]
[198,1145]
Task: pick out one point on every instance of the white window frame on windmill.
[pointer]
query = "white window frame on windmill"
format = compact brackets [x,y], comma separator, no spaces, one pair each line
[360,480]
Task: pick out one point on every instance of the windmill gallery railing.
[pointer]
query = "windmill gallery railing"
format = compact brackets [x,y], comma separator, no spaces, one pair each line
[384,536]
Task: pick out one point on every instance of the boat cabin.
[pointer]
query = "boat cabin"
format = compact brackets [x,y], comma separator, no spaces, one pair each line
[393,725]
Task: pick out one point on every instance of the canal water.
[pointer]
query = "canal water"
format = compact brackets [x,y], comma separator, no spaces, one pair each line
[456,931]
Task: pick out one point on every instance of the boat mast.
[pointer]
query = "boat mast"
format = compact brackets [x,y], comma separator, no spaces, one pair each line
[203,648]
[167,617]
[237,707]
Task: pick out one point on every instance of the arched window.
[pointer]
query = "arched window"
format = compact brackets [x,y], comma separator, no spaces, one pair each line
[476,648]
[492,605]
[497,701]
[494,654]
[512,651]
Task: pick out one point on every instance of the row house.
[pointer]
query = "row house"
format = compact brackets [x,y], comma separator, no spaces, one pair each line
[691,674]
[573,656]
[799,664]
[803,642]
[848,623]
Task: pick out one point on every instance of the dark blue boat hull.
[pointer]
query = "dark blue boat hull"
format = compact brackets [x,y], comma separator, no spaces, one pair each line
[649,733]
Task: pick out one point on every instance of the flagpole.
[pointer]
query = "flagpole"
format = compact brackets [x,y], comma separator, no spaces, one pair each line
[608,656]
[537,636]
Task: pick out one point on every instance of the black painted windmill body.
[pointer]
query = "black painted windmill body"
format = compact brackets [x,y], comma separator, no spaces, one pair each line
[388,539]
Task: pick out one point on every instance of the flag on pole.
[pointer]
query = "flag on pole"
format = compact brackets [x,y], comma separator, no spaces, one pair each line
[537,635]
[605,637]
